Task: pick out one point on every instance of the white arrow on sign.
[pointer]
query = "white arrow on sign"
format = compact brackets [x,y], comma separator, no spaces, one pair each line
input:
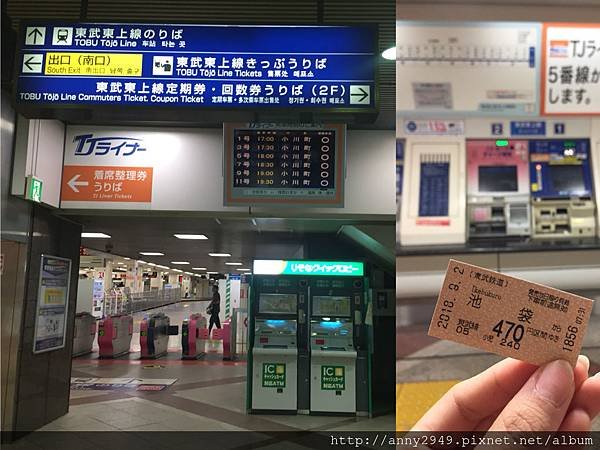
[73,183]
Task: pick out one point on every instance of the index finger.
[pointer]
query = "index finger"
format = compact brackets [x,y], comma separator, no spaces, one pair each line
[466,404]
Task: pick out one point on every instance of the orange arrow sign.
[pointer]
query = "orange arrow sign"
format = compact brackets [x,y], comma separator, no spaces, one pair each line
[107,184]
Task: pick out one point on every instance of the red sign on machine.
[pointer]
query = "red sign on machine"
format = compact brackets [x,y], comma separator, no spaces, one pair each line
[106,184]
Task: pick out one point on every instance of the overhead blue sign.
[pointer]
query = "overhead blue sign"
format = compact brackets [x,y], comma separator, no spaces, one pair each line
[310,67]
[527,128]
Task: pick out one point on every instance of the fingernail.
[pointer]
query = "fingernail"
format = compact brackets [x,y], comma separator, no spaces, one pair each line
[554,382]
[585,361]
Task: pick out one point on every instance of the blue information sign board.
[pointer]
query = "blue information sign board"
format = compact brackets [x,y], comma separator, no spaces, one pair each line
[309,67]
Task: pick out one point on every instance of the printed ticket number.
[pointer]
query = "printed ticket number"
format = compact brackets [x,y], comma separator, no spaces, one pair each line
[509,316]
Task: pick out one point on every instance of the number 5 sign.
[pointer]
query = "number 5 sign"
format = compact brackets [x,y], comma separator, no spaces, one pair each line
[571,69]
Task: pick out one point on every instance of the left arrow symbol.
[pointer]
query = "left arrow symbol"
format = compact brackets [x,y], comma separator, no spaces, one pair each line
[73,183]
[31,61]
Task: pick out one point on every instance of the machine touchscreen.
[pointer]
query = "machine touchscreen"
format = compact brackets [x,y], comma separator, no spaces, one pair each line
[567,178]
[329,305]
[498,179]
[277,303]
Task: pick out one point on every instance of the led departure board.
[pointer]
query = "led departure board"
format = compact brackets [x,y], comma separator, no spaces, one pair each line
[283,165]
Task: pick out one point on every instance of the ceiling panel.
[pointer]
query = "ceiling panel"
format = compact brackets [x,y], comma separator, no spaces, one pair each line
[245,239]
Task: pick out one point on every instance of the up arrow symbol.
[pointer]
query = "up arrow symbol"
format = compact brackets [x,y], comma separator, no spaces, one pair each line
[35,33]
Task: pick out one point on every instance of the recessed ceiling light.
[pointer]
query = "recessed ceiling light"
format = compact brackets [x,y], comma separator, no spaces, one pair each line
[198,268]
[243,270]
[389,53]
[152,254]
[180,263]
[95,235]
[233,263]
[220,255]
[191,236]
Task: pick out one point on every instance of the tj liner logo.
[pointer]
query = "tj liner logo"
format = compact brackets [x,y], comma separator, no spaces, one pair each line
[88,145]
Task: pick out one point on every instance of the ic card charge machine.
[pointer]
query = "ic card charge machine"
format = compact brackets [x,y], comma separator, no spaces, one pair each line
[498,188]
[339,381]
[278,345]
[561,188]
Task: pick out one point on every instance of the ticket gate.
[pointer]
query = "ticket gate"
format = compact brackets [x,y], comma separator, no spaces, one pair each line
[114,335]
[154,335]
[84,333]
[498,202]
[561,188]
[193,340]
[228,353]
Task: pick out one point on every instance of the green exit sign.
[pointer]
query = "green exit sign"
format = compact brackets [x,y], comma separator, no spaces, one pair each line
[33,189]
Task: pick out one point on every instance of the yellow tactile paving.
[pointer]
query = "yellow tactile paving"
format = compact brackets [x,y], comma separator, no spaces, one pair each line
[414,399]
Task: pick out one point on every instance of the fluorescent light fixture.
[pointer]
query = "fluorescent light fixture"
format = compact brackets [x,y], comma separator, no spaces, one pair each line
[189,273]
[141,262]
[211,273]
[198,268]
[151,264]
[197,237]
[220,255]
[243,270]
[95,236]
[390,53]
[177,270]
[233,264]
[127,259]
[152,254]
[121,263]
[180,263]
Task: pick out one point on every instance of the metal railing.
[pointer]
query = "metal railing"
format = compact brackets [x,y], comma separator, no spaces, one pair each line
[118,302]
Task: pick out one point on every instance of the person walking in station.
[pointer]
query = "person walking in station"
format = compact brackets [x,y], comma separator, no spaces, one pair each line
[214,308]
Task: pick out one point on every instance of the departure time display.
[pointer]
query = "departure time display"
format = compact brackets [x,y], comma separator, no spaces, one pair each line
[285,165]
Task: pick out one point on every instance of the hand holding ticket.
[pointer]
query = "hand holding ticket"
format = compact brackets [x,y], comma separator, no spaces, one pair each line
[508,316]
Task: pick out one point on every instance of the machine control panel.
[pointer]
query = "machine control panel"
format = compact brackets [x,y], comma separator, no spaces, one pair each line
[333,335]
[560,168]
[498,188]
[275,333]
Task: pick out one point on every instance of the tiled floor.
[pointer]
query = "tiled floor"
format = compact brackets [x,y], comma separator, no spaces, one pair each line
[209,395]
[431,360]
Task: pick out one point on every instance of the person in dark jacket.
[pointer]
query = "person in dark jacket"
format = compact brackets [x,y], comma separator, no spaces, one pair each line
[214,308]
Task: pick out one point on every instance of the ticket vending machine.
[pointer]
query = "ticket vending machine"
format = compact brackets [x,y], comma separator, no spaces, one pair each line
[433,191]
[278,363]
[498,201]
[596,166]
[561,188]
[339,381]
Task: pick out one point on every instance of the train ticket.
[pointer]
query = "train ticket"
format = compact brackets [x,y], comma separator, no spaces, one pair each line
[509,316]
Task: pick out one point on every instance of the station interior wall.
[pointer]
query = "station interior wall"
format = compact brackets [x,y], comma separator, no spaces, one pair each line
[188,175]
[37,385]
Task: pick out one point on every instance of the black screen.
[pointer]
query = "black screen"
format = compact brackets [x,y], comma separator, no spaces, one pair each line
[567,178]
[498,179]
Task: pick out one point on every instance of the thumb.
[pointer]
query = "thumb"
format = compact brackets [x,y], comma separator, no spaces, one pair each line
[542,402]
